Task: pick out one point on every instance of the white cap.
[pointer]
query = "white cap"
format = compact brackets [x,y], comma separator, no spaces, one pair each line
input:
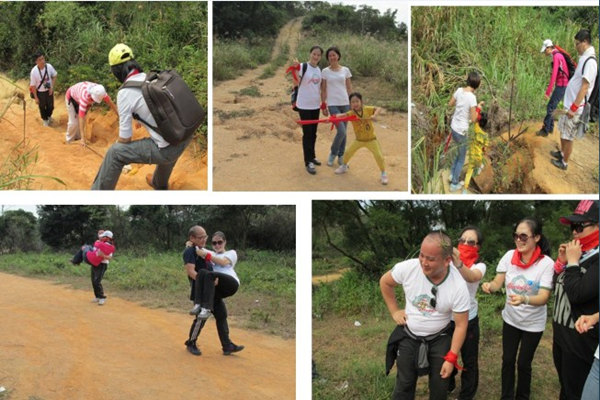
[107,234]
[547,43]
[98,92]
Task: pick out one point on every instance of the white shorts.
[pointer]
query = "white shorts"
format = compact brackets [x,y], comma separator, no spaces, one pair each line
[568,127]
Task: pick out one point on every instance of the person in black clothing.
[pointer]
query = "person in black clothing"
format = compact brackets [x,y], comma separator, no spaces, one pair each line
[576,291]
[196,265]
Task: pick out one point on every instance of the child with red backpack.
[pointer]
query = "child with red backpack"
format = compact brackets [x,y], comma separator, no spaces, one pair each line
[562,70]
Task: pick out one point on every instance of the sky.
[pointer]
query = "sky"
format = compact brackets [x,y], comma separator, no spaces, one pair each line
[403,14]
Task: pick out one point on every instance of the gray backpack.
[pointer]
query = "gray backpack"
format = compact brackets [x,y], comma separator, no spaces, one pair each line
[173,105]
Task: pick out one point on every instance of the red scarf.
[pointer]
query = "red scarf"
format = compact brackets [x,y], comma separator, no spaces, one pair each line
[516,258]
[468,254]
[590,241]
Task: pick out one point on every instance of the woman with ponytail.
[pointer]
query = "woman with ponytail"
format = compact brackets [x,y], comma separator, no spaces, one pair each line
[527,273]
[466,260]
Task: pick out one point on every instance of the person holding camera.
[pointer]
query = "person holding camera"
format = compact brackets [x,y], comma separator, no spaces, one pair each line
[41,87]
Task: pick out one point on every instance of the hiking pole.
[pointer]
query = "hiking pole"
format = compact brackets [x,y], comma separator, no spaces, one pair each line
[87,146]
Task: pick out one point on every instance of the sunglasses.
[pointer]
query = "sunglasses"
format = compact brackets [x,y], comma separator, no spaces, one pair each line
[434,291]
[469,242]
[580,226]
[217,242]
[521,237]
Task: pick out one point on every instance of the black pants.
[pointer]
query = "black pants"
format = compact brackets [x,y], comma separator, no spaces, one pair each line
[511,337]
[572,371]
[46,105]
[220,313]
[97,275]
[309,134]
[206,293]
[406,377]
[469,352]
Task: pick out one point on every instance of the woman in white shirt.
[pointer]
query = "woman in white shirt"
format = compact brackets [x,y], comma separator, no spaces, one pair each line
[527,273]
[336,88]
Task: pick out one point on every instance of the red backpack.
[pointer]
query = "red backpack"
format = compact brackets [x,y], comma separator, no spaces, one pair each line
[571,65]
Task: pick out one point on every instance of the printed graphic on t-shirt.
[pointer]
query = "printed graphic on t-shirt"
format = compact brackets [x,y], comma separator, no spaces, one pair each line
[521,285]
[423,304]
[315,79]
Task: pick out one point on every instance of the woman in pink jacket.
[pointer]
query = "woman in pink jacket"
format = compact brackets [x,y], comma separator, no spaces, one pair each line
[560,77]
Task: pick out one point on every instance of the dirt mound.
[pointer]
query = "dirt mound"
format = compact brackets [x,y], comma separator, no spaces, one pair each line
[77,166]
[63,346]
[257,145]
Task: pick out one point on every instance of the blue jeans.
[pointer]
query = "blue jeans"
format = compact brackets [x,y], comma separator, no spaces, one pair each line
[590,390]
[460,158]
[339,141]
[557,96]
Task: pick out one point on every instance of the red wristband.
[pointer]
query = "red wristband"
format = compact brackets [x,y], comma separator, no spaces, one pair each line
[452,358]
[323,106]
[574,107]
[559,266]
[208,257]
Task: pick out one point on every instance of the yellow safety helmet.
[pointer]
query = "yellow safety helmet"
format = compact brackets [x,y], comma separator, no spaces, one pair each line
[119,54]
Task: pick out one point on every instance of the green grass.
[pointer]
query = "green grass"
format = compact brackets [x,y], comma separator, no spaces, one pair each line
[277,63]
[265,300]
[350,359]
[232,58]
[224,115]
[252,91]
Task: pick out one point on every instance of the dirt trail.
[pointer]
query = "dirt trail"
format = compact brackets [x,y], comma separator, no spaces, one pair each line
[56,344]
[331,277]
[77,166]
[260,146]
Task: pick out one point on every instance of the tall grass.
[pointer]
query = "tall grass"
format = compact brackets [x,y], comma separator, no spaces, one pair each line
[232,57]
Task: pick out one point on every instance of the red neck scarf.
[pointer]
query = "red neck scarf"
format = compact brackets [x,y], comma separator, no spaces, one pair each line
[468,254]
[516,258]
[590,241]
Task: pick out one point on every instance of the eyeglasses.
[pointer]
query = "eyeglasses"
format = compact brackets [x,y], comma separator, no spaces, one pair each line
[201,236]
[434,291]
[521,237]
[580,226]
[469,242]
[217,242]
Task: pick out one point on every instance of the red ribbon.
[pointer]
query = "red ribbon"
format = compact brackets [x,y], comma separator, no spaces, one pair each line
[468,254]
[208,257]
[293,69]
[516,258]
[453,359]
[559,266]
[332,119]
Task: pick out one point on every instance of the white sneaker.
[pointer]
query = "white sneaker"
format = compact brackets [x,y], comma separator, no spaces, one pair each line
[342,169]
[95,300]
[101,302]
[384,179]
[454,188]
[204,313]
[45,122]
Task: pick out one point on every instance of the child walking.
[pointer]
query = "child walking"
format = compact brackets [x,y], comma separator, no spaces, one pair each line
[466,111]
[364,135]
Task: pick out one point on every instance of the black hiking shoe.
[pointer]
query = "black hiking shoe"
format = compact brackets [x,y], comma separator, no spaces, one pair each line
[233,348]
[192,348]
[542,132]
[557,154]
[559,164]
[310,168]
[316,162]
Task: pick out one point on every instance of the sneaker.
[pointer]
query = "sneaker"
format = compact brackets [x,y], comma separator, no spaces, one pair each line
[233,348]
[195,310]
[45,122]
[204,313]
[559,164]
[454,188]
[541,132]
[310,168]
[330,160]
[384,178]
[342,169]
[192,348]
[557,154]
[316,162]
[95,300]
[101,302]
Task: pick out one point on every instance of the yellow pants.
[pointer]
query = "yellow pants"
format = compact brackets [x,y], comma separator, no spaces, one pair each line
[372,146]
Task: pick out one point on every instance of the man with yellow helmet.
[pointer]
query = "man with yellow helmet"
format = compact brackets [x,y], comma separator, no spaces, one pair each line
[150,150]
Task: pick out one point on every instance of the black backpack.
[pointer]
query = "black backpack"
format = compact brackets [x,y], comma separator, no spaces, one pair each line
[571,65]
[295,89]
[593,99]
[173,105]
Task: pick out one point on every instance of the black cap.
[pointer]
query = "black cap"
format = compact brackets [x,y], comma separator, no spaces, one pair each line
[587,210]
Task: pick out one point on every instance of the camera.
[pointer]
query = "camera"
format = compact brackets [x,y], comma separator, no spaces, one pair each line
[47,85]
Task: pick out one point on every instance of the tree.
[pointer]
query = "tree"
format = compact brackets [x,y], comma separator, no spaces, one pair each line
[63,227]
[18,232]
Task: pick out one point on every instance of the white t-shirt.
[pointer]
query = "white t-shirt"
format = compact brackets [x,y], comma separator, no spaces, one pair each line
[309,91]
[421,318]
[231,255]
[337,94]
[591,70]
[462,112]
[131,100]
[35,77]
[472,287]
[526,281]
